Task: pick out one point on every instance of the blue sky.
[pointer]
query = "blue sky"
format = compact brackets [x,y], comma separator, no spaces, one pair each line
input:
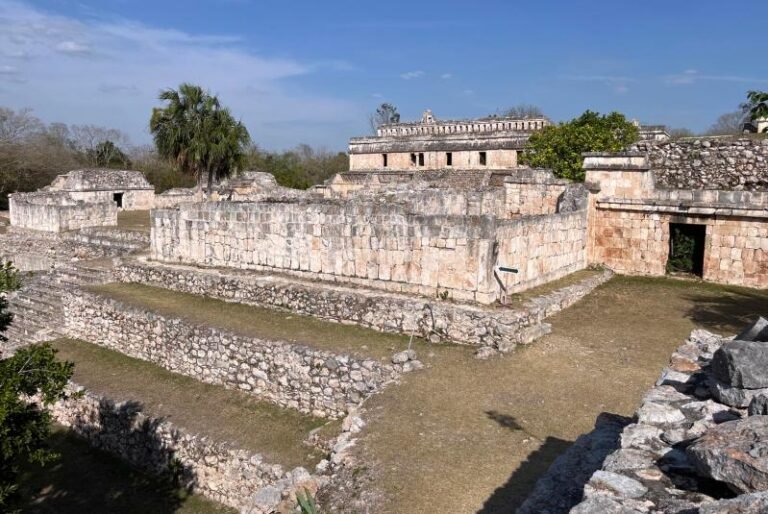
[311,71]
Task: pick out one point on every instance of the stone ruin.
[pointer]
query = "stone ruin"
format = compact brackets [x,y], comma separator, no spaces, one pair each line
[436,252]
[697,443]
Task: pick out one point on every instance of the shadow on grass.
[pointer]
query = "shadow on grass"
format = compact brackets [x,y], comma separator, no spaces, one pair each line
[565,482]
[86,479]
[728,311]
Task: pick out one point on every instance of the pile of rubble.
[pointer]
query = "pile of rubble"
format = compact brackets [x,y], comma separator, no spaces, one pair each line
[700,443]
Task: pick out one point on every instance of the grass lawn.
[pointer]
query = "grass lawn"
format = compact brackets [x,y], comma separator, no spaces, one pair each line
[86,480]
[134,220]
[258,322]
[220,413]
[470,436]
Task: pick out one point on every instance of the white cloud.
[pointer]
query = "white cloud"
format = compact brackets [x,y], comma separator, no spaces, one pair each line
[410,75]
[8,70]
[129,63]
[446,76]
[377,95]
[692,76]
[72,47]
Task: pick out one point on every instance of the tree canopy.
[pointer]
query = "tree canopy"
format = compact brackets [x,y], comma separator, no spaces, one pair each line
[757,104]
[199,135]
[385,114]
[25,424]
[560,147]
[522,111]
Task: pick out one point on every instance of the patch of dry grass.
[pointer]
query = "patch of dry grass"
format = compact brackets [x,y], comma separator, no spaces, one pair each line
[85,479]
[220,413]
[467,436]
[258,321]
[134,220]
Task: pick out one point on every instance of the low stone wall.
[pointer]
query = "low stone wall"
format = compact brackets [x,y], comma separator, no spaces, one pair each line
[499,327]
[219,471]
[312,381]
[709,163]
[59,212]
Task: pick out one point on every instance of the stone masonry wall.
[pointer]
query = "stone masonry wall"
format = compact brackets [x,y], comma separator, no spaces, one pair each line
[497,327]
[542,249]
[231,476]
[373,243]
[712,163]
[291,375]
[58,212]
[358,242]
[637,242]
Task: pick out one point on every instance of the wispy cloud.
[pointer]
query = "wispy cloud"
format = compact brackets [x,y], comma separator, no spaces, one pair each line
[618,83]
[129,63]
[692,76]
[73,47]
[410,75]
[446,76]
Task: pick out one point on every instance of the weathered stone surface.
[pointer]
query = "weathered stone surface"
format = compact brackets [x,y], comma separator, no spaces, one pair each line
[659,414]
[733,396]
[604,505]
[735,452]
[742,364]
[620,484]
[755,503]
[757,331]
[759,405]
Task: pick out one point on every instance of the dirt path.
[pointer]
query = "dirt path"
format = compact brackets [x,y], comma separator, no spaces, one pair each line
[473,436]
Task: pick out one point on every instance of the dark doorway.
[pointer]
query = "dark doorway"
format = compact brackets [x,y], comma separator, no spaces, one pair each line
[686,248]
[413,159]
[118,198]
[483,158]
[449,159]
[384,159]
[421,159]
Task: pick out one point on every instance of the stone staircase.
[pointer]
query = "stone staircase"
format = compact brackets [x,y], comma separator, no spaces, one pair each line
[37,306]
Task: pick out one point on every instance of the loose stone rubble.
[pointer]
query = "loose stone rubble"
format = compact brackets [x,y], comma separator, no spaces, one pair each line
[686,453]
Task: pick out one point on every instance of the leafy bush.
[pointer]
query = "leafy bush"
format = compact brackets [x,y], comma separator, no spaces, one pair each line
[560,147]
[25,425]
[681,253]
[9,277]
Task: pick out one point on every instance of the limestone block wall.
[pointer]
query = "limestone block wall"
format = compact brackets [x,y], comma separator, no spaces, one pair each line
[59,212]
[434,160]
[629,219]
[637,242]
[174,197]
[313,381]
[533,192]
[133,200]
[218,471]
[542,248]
[369,243]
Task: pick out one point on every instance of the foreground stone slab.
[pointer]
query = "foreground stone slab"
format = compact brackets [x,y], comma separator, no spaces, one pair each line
[742,364]
[736,453]
[756,503]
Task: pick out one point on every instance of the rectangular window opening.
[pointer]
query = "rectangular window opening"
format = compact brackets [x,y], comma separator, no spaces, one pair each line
[449,159]
[118,198]
[483,158]
[686,248]
[384,159]
[413,159]
[421,159]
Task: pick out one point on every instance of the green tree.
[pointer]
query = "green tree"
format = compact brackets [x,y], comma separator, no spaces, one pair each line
[25,423]
[560,147]
[108,155]
[757,104]
[10,279]
[522,111]
[200,136]
[385,114]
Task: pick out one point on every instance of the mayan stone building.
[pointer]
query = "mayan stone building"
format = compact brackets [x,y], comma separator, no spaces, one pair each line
[432,144]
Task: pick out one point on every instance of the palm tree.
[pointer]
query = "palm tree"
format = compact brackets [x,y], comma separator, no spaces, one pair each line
[199,135]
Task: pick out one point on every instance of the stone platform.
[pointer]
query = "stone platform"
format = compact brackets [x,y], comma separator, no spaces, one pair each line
[498,327]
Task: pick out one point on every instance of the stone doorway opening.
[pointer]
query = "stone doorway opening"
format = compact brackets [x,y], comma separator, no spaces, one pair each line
[686,248]
[118,198]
